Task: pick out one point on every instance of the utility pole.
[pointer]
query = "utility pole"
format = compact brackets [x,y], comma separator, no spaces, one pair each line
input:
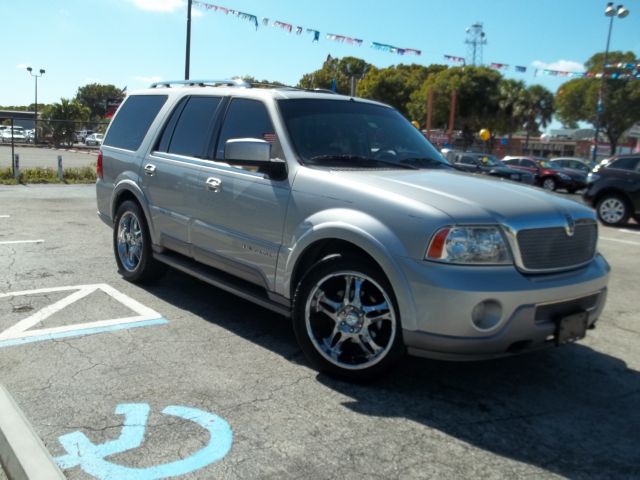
[475,39]
[187,59]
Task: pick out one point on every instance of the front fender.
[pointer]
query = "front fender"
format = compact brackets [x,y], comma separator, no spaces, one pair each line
[361,230]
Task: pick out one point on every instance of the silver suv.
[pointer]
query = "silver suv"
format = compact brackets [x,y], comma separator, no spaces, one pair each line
[338,213]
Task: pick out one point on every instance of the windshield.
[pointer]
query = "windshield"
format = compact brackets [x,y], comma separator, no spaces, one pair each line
[355,134]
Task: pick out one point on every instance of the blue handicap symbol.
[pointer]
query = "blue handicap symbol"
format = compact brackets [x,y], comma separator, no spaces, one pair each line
[91,458]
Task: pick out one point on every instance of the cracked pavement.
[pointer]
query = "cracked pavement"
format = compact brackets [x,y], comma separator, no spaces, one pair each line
[570,412]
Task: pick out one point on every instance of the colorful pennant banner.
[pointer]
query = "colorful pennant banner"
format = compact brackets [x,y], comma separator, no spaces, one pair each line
[400,51]
[632,68]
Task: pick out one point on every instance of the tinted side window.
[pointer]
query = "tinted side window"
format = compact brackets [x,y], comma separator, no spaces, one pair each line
[133,120]
[624,163]
[245,119]
[467,160]
[193,128]
[527,163]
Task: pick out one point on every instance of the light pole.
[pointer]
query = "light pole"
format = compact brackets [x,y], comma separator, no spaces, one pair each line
[610,12]
[35,123]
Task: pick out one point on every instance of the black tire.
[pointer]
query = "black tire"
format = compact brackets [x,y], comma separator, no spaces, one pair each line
[571,190]
[549,183]
[355,339]
[613,210]
[132,245]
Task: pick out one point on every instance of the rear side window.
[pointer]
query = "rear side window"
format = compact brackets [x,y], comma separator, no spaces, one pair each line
[188,131]
[133,120]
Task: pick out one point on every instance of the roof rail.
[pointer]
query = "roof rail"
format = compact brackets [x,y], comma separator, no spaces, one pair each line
[235,82]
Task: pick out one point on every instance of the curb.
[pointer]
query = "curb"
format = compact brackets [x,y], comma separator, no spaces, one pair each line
[22,454]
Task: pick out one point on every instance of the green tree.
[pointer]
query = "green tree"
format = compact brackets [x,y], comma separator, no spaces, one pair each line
[577,99]
[510,102]
[62,118]
[537,109]
[477,99]
[340,69]
[94,96]
[262,83]
[394,85]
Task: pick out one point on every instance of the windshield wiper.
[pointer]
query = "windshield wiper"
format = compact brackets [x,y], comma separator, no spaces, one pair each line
[423,162]
[358,160]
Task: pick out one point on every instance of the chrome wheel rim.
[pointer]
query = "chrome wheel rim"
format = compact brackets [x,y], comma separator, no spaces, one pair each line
[130,241]
[549,184]
[612,210]
[350,320]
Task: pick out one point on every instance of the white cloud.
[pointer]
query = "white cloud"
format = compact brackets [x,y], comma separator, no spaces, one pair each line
[143,79]
[561,65]
[22,66]
[159,5]
[195,13]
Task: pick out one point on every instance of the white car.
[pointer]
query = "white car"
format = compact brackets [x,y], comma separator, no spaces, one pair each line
[95,139]
[17,133]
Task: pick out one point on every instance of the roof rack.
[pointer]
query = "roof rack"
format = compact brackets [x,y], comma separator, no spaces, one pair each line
[235,82]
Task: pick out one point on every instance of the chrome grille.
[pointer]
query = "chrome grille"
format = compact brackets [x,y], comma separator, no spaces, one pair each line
[552,249]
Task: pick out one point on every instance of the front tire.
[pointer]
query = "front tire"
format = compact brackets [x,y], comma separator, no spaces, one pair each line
[613,210]
[132,245]
[549,183]
[346,319]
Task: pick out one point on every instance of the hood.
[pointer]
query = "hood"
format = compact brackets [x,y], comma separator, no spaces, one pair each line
[468,198]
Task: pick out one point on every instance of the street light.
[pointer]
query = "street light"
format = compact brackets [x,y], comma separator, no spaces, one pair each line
[610,12]
[35,130]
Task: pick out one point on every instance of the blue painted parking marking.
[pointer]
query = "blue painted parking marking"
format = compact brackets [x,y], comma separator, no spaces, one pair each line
[91,458]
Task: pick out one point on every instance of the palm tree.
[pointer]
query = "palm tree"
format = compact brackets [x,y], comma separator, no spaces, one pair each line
[537,110]
[510,96]
[62,119]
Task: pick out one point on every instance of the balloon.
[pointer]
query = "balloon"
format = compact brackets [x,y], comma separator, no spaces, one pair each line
[485,134]
[415,124]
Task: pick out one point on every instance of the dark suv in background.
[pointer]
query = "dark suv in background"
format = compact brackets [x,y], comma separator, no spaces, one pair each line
[547,175]
[614,189]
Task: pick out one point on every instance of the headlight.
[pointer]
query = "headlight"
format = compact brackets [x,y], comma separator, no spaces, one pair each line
[564,176]
[592,177]
[483,245]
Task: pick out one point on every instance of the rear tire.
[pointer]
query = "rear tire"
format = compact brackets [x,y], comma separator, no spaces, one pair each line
[613,210]
[346,319]
[132,245]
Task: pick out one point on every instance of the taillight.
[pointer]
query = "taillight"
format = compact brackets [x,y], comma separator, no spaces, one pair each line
[99,165]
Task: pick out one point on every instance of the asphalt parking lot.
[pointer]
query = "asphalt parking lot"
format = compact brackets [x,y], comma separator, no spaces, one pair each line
[32,157]
[181,379]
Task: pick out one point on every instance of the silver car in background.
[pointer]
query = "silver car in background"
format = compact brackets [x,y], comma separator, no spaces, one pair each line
[336,212]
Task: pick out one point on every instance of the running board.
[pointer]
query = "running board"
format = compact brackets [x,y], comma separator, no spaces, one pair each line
[222,280]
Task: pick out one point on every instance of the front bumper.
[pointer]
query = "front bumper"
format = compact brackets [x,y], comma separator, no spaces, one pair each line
[444,297]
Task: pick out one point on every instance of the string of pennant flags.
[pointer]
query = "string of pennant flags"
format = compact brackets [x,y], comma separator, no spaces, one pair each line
[632,69]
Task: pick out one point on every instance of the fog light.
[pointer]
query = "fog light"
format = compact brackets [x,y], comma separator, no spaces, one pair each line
[486,314]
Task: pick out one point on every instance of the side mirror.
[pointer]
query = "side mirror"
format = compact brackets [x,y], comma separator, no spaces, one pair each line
[254,152]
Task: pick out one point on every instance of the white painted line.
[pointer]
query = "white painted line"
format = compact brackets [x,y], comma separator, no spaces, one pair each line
[13,242]
[22,329]
[5,216]
[619,240]
[635,232]
[22,453]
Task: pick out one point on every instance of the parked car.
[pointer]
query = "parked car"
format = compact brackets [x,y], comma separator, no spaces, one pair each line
[94,139]
[337,212]
[547,176]
[81,135]
[570,163]
[614,189]
[489,165]
[17,133]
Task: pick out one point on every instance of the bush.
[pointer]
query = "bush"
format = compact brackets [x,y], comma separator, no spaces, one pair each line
[48,175]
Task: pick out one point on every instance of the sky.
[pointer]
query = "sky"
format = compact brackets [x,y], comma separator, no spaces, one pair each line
[135,42]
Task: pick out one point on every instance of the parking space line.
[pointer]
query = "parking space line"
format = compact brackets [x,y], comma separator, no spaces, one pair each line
[13,242]
[619,240]
[630,231]
[5,216]
[22,331]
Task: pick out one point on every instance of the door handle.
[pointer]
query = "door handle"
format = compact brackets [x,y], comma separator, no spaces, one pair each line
[150,169]
[213,184]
